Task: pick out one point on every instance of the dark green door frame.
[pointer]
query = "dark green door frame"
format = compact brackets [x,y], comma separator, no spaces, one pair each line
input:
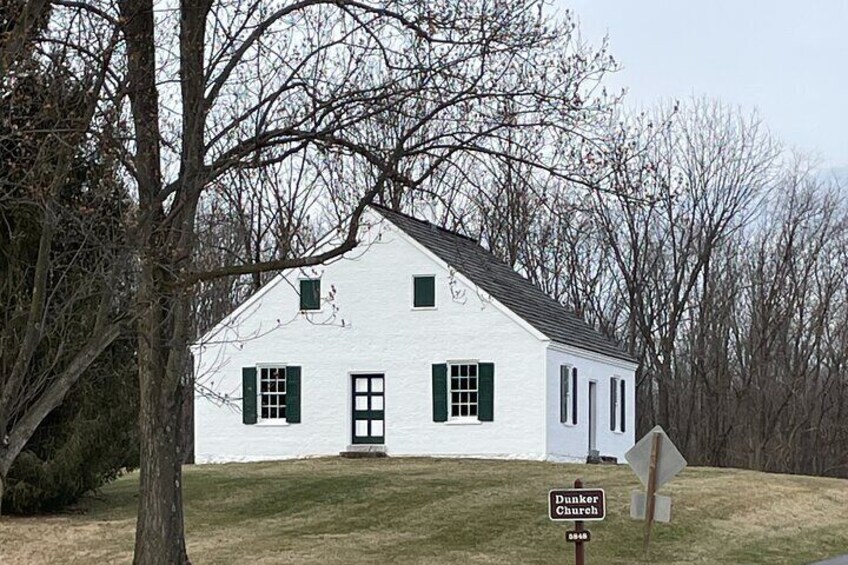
[370,415]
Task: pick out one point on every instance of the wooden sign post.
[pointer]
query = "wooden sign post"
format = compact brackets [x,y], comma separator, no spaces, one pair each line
[579,551]
[655,460]
[578,504]
[656,443]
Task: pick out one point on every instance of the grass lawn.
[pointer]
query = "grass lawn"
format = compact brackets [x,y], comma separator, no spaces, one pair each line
[407,511]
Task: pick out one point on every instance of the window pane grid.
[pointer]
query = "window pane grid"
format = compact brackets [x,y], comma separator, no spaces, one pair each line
[272,392]
[463,390]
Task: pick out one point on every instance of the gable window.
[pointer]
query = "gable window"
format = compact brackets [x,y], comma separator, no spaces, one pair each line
[271,394]
[424,291]
[568,394]
[617,407]
[310,294]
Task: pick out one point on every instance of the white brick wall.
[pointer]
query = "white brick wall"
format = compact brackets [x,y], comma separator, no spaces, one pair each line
[375,330]
[571,442]
[372,327]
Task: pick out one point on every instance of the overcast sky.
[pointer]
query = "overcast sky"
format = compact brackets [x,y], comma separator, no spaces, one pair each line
[788,59]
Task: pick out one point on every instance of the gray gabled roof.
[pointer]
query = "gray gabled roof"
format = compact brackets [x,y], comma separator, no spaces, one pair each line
[506,286]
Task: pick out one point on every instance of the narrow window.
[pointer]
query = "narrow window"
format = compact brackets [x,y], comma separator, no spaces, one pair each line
[424,291]
[310,294]
[617,408]
[272,393]
[565,394]
[463,388]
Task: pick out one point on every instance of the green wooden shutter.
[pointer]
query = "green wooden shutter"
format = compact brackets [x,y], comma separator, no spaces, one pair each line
[424,290]
[248,395]
[293,395]
[440,392]
[623,409]
[574,395]
[486,395]
[310,294]
[613,391]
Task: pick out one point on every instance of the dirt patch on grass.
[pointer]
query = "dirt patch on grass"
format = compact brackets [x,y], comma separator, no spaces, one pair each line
[28,541]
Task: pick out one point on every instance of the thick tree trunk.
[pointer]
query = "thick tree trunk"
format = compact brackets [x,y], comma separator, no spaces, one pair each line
[160,536]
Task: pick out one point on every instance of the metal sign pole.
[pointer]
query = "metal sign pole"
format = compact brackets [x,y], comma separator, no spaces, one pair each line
[579,555]
[650,502]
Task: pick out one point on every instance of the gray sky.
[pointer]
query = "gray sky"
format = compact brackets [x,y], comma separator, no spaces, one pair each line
[789,60]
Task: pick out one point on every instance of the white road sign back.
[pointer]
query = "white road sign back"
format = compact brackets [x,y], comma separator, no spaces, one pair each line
[669,464]
[639,505]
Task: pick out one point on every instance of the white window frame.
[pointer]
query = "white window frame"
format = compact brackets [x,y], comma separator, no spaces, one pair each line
[476,391]
[279,421]
[435,291]
[566,400]
[616,396]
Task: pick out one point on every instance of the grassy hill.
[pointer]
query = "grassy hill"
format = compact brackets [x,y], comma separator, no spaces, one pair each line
[408,511]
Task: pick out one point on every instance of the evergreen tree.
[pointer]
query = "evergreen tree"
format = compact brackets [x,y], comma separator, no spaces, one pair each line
[90,438]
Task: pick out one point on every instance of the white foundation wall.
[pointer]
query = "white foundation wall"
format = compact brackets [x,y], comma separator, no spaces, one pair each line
[370,327]
[567,442]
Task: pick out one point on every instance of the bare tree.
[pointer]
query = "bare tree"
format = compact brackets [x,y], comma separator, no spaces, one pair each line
[312,85]
[702,174]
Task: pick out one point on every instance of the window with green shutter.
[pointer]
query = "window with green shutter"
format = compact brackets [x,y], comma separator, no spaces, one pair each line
[463,391]
[424,291]
[310,294]
[271,394]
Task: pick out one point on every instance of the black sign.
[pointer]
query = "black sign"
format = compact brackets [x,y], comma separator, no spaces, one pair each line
[575,536]
[577,504]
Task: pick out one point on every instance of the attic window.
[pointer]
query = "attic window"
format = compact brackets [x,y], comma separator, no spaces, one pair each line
[310,294]
[424,291]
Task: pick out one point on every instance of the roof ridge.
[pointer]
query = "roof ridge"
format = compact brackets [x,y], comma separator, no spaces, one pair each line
[382,209]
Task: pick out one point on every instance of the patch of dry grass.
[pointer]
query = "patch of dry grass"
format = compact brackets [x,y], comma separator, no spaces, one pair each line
[411,511]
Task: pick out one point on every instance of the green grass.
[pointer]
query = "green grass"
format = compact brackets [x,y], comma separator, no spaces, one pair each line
[334,511]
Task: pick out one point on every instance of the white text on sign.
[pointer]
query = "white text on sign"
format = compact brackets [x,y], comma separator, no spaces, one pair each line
[576,504]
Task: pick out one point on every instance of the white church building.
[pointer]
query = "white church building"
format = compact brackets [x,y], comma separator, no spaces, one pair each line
[417,343]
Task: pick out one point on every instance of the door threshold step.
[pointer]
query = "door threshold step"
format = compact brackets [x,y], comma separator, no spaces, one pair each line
[364,451]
